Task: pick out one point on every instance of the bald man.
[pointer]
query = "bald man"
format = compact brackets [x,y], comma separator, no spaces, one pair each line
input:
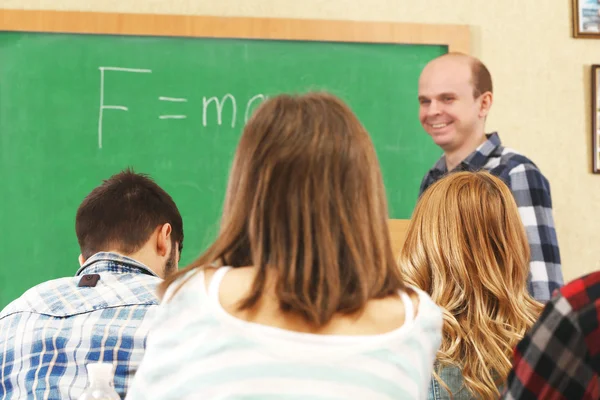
[455,97]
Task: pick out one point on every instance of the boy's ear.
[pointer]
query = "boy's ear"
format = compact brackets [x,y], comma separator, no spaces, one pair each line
[163,240]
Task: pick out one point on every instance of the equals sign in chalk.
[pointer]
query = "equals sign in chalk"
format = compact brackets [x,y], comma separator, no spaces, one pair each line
[173,100]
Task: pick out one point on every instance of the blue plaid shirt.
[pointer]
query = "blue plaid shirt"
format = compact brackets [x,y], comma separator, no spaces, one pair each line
[531,191]
[51,332]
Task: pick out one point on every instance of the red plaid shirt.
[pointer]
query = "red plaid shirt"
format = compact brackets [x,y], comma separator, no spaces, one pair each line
[559,358]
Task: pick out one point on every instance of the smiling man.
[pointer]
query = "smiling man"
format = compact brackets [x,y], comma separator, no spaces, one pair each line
[455,97]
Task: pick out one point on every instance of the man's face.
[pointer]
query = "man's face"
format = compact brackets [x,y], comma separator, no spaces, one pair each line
[448,110]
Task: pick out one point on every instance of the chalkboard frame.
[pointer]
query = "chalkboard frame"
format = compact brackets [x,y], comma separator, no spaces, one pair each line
[455,37]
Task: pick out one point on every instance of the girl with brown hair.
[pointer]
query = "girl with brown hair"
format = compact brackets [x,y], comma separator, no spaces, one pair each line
[300,295]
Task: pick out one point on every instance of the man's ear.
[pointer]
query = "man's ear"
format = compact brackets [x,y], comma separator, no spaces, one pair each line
[81,260]
[163,240]
[486,104]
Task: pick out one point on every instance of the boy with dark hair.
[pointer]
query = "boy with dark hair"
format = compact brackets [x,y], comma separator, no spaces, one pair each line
[130,233]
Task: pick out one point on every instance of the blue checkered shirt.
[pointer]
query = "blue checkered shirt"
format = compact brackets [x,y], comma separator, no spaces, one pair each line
[51,332]
[531,191]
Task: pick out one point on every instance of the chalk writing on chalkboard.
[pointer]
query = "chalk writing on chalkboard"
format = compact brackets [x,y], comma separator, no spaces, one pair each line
[174,100]
[219,103]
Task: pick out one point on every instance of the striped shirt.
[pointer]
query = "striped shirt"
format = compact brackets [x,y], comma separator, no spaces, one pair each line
[197,350]
[531,191]
[51,332]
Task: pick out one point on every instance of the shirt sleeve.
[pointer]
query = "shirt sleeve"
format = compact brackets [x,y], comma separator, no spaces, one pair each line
[531,191]
[551,360]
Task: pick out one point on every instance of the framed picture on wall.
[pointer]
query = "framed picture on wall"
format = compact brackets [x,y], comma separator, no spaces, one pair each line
[596,116]
[586,18]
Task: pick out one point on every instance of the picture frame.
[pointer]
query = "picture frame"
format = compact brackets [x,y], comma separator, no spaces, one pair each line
[586,19]
[596,117]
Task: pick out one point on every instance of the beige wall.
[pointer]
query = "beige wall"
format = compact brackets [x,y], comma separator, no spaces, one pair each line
[542,97]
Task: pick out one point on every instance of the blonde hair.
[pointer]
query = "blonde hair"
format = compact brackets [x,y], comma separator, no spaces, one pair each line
[306,203]
[467,248]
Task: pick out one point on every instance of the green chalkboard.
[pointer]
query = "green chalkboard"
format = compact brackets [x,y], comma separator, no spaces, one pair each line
[75,109]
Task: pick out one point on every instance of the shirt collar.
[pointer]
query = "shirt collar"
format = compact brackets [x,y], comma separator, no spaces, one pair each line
[477,159]
[113,263]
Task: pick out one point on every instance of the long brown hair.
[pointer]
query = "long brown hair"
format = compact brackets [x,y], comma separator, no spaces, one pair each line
[467,248]
[306,202]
